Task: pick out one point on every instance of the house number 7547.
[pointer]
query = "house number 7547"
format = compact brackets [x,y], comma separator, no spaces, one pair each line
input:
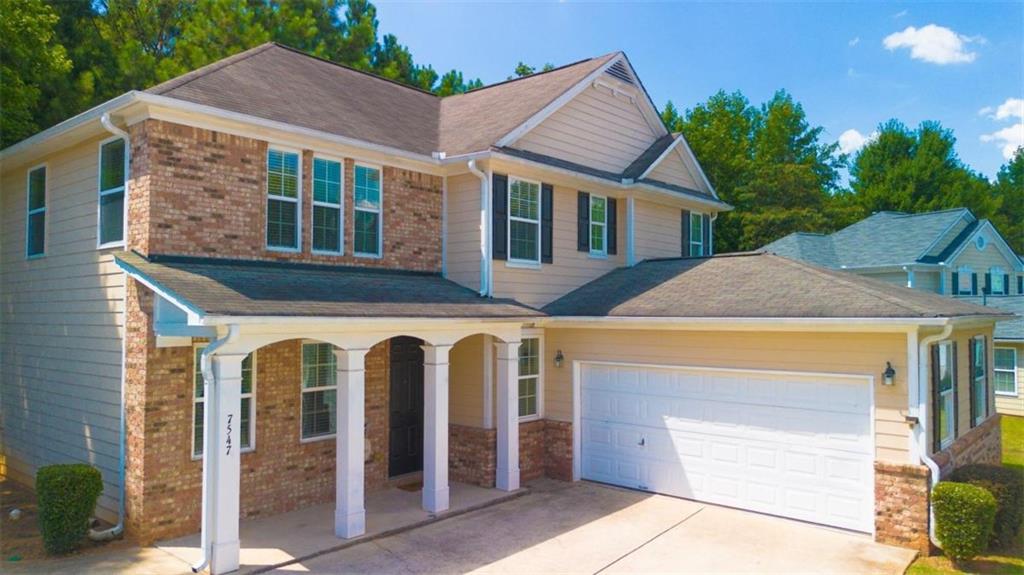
[227,442]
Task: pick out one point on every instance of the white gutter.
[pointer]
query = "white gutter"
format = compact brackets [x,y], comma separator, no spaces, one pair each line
[205,359]
[922,419]
[485,227]
[71,123]
[117,529]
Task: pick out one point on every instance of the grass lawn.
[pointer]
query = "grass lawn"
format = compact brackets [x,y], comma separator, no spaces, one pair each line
[1003,561]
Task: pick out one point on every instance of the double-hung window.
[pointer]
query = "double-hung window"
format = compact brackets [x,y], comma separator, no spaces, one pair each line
[327,206]
[979,379]
[247,429]
[696,234]
[283,203]
[113,169]
[997,285]
[598,225]
[368,200]
[945,382]
[35,220]
[529,377]
[1006,371]
[319,390]
[965,281]
[524,221]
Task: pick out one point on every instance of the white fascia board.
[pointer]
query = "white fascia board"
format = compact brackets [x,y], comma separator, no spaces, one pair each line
[747,324]
[664,154]
[194,314]
[892,267]
[700,170]
[357,322]
[1000,243]
[680,140]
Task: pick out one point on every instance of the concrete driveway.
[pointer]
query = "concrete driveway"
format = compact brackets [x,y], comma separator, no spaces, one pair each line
[589,528]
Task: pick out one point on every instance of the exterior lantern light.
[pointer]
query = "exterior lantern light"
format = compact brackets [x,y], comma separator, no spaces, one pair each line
[889,373]
[559,358]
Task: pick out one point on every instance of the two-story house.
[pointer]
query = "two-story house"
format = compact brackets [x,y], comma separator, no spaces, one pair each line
[950,252]
[277,281]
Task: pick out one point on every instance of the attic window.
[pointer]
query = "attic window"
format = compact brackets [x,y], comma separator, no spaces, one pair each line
[620,71]
[980,243]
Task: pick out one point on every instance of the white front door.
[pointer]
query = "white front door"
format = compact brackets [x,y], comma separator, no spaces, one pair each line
[793,445]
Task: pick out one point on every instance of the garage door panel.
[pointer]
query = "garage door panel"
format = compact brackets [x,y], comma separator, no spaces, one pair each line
[759,443]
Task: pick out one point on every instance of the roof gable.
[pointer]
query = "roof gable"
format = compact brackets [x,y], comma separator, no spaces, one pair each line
[993,240]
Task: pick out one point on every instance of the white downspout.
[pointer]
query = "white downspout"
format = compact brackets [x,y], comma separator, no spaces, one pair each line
[922,420]
[711,234]
[116,530]
[485,228]
[205,363]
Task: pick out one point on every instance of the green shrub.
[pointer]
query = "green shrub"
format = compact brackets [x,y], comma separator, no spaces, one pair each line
[1007,486]
[67,496]
[964,515]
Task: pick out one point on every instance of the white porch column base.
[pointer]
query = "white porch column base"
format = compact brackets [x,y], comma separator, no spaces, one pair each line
[507,478]
[435,427]
[349,510]
[223,444]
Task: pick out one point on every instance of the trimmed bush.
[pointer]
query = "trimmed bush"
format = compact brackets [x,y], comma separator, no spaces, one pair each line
[67,496]
[1007,486]
[964,515]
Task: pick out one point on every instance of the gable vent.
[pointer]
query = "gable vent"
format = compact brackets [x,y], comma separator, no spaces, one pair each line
[620,71]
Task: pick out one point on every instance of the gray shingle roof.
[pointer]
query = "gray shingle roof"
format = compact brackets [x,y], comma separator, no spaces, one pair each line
[252,288]
[644,160]
[1012,329]
[884,238]
[753,285]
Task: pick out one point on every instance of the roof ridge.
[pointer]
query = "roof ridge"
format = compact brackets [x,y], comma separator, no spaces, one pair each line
[354,69]
[947,210]
[203,71]
[534,75]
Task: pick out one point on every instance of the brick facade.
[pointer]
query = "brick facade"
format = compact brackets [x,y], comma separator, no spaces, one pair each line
[983,444]
[558,446]
[901,505]
[472,455]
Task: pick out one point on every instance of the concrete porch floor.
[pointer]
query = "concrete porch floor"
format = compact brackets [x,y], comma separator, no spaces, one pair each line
[279,539]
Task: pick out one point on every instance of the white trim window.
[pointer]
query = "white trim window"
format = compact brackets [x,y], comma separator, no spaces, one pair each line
[113,171]
[328,202]
[248,411]
[523,221]
[368,215]
[35,213]
[284,202]
[997,286]
[696,234]
[1005,371]
[947,393]
[531,359]
[964,281]
[598,225]
[979,379]
[319,391]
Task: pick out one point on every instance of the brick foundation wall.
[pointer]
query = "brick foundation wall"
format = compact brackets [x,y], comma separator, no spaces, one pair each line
[203,193]
[472,456]
[558,446]
[531,450]
[983,444]
[545,450]
[901,505]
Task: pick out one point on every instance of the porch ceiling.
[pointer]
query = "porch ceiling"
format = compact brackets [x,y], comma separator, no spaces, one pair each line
[222,287]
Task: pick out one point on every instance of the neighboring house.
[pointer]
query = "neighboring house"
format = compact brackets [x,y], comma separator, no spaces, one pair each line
[1009,353]
[295,282]
[950,252]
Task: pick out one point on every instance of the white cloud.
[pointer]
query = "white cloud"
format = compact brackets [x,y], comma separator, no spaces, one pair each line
[854,41]
[986,111]
[1011,108]
[1009,138]
[899,14]
[935,44]
[851,140]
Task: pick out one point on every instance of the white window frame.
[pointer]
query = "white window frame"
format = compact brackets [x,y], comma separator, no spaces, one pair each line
[379,211]
[993,273]
[983,379]
[604,227]
[964,272]
[30,212]
[1012,372]
[100,193]
[509,218]
[699,242]
[946,398]
[297,200]
[340,206]
[304,390]
[539,336]
[197,400]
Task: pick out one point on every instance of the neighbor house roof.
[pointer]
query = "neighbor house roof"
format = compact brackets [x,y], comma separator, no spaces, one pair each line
[220,287]
[882,239]
[751,285]
[1011,329]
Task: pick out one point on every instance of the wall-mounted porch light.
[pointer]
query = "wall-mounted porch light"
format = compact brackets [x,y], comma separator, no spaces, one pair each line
[888,374]
[559,358]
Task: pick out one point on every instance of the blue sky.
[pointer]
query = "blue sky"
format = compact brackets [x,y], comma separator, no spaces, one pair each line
[852,65]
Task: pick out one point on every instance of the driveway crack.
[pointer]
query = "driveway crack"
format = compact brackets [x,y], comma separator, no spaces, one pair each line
[645,543]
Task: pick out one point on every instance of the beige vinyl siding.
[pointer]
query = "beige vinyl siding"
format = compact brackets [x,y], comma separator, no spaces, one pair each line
[463,221]
[672,170]
[466,382]
[927,281]
[569,268]
[896,278]
[597,129]
[658,230]
[980,262]
[61,328]
[847,353]
[1009,404]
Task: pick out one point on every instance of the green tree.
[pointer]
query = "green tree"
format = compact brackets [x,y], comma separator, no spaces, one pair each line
[523,70]
[1008,189]
[30,55]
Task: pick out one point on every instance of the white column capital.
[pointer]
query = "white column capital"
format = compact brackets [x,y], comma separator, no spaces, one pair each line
[508,349]
[350,359]
[436,354]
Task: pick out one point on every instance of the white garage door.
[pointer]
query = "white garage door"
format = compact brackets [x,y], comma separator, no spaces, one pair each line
[792,445]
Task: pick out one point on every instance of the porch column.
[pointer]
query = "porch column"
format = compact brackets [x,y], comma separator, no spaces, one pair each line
[435,427]
[349,512]
[508,416]
[222,446]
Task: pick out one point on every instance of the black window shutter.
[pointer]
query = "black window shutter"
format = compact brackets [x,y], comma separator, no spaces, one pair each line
[546,209]
[499,217]
[956,391]
[956,284]
[988,283]
[970,381]
[936,431]
[613,227]
[974,283]
[684,240]
[1020,285]
[583,221]
[705,226]
[1006,284]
